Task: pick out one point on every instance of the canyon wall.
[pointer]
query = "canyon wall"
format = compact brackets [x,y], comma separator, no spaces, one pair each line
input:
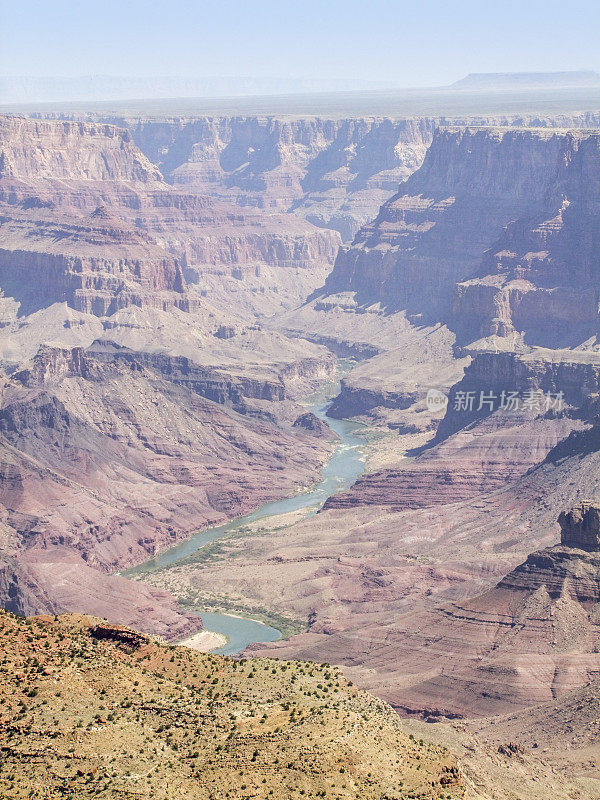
[38,149]
[434,231]
[335,172]
[540,279]
[95,265]
[66,172]
[495,234]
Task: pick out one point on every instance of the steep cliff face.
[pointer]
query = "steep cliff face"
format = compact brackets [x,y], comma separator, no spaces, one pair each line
[40,149]
[58,239]
[65,171]
[333,172]
[97,265]
[541,278]
[435,230]
[245,190]
[553,380]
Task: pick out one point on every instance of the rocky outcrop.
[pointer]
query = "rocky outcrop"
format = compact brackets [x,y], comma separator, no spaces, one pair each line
[33,150]
[52,365]
[215,383]
[539,380]
[580,527]
[95,266]
[311,423]
[62,237]
[122,637]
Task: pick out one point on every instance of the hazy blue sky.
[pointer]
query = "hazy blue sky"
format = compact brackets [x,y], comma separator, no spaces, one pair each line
[413,43]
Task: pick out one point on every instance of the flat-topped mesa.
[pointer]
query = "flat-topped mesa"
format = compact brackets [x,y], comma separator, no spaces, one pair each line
[580,527]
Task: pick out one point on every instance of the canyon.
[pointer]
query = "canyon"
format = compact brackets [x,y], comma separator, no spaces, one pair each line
[173,290]
[435,580]
[101,334]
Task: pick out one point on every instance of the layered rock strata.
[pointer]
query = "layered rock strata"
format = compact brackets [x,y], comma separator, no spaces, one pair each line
[335,172]
[533,638]
[92,180]
[106,461]
[540,278]
[433,233]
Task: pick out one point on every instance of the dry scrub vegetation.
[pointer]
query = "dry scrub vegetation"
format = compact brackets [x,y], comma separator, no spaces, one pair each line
[88,710]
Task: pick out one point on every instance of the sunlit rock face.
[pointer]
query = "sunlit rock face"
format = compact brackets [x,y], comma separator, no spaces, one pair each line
[580,527]
[495,234]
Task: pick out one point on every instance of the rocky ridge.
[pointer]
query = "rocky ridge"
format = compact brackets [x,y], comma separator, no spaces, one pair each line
[89,707]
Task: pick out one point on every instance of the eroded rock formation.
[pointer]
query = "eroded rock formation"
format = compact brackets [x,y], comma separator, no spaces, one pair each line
[580,527]
[77,199]
[540,278]
[433,233]
[333,172]
[107,460]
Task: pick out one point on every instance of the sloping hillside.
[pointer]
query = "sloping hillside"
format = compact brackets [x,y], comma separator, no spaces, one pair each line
[88,710]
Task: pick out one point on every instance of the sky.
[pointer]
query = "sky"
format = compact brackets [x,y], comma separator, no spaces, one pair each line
[408,43]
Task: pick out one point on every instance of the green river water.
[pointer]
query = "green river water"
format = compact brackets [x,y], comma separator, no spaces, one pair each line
[345,465]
